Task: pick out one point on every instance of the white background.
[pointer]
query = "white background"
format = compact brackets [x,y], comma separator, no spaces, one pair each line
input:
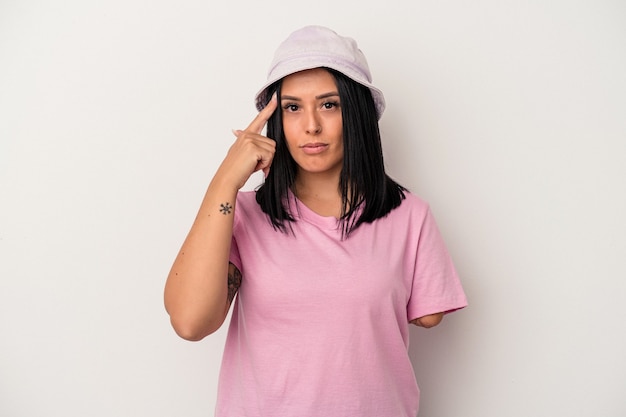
[507,116]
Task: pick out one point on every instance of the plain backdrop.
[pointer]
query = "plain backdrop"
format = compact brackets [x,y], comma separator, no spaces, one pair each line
[509,117]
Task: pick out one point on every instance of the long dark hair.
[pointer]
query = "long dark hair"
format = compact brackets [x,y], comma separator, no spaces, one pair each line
[367,192]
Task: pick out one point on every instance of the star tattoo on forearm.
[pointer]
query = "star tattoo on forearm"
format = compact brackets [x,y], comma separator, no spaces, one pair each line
[226,208]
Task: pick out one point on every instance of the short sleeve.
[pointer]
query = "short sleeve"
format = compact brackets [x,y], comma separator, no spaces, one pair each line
[436,286]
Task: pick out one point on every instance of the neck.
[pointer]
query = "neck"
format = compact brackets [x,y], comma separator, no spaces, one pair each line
[319,192]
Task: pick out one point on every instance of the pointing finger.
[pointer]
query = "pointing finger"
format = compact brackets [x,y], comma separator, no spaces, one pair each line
[264,115]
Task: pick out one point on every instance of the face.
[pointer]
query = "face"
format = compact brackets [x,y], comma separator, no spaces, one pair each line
[312,122]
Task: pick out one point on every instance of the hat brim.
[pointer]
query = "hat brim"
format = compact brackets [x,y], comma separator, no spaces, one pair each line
[294,66]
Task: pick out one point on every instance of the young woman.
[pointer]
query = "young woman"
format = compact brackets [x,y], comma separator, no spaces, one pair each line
[330,258]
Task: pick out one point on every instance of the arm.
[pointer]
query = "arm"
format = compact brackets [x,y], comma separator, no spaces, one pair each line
[428,321]
[201,283]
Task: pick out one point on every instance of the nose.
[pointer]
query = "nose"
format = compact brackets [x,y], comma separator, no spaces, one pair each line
[313,124]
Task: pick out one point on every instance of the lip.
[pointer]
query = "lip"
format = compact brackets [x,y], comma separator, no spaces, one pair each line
[314,148]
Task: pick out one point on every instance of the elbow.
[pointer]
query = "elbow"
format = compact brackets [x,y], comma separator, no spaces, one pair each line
[189,334]
[193,330]
[194,324]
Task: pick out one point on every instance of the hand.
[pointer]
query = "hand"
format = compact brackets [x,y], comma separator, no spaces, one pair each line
[251,151]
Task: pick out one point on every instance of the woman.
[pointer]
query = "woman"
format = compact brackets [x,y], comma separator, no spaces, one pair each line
[330,258]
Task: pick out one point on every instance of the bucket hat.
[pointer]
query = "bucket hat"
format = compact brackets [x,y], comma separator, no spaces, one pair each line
[317,46]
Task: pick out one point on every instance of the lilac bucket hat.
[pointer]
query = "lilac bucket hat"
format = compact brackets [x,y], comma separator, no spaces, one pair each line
[318,46]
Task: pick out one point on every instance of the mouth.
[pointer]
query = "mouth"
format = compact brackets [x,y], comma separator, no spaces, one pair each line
[314,148]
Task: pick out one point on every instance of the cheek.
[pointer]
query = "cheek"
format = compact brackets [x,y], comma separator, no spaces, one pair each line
[291,143]
[290,140]
[288,131]
[335,124]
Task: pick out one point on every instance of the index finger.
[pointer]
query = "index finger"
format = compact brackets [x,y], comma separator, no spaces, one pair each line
[264,115]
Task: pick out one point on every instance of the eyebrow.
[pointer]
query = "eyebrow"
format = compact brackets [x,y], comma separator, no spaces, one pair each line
[321,96]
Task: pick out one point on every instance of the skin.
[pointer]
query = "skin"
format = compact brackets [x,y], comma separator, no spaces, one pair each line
[202,283]
[312,123]
[196,291]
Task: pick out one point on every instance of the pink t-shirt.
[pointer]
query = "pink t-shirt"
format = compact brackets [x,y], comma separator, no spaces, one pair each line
[320,325]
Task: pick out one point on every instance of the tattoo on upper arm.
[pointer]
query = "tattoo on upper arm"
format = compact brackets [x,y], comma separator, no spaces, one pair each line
[234,281]
[226,208]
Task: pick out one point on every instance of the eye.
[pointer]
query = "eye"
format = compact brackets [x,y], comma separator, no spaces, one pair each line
[330,105]
[291,107]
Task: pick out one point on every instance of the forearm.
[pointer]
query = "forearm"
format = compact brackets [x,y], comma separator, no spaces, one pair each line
[196,291]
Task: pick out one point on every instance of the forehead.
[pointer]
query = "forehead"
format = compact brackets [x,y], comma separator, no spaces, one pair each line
[309,81]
